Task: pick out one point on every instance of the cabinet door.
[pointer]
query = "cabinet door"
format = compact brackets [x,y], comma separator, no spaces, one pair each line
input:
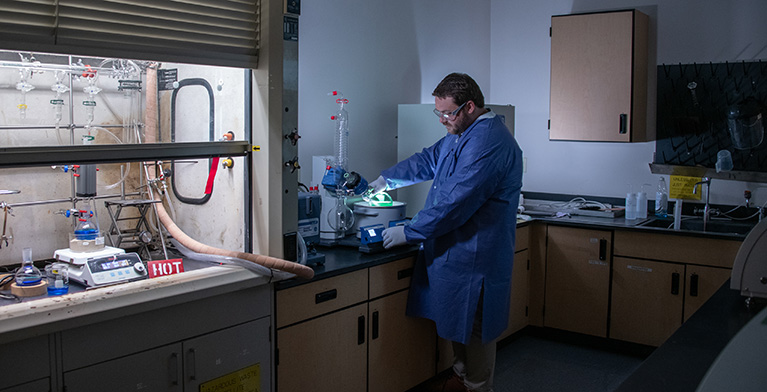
[158,369]
[599,77]
[34,386]
[243,351]
[25,360]
[702,282]
[402,349]
[647,300]
[577,280]
[520,282]
[325,354]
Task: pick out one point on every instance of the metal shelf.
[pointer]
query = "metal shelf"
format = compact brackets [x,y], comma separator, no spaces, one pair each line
[699,171]
[115,153]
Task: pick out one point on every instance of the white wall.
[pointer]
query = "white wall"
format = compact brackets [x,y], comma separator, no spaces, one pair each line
[383,53]
[683,31]
[380,54]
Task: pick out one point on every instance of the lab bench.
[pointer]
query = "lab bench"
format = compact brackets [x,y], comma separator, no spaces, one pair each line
[367,290]
[172,333]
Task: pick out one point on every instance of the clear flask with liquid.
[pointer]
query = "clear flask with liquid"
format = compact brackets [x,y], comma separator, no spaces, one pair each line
[87,228]
[28,274]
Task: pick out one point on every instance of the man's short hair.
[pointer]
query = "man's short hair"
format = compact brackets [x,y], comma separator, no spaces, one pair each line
[461,88]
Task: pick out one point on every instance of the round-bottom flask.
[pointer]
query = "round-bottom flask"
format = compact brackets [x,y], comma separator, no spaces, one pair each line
[28,274]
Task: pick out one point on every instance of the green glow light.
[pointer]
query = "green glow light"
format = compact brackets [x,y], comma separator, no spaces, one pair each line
[381,200]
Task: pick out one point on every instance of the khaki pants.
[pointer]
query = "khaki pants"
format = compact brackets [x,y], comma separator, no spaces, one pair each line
[475,362]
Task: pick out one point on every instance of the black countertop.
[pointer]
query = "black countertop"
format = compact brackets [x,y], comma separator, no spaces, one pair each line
[682,361]
[343,259]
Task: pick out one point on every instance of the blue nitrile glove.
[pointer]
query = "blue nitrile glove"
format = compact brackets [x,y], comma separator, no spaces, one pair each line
[394,236]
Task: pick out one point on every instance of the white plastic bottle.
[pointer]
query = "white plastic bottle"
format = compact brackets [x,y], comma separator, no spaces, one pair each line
[661,199]
[631,206]
[642,204]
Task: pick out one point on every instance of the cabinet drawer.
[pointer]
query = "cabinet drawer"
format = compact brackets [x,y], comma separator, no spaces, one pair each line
[682,249]
[391,277]
[313,299]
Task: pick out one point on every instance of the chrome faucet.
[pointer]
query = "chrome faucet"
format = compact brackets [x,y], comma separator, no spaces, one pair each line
[706,211]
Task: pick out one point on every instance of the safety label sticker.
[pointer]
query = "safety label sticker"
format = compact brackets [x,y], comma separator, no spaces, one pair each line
[244,380]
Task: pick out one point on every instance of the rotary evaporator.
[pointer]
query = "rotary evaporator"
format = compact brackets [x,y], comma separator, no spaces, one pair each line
[361,224]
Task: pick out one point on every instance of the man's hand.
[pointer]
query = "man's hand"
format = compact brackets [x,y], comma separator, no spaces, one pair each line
[394,236]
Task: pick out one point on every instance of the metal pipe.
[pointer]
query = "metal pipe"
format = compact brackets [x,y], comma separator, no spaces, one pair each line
[75,126]
[54,67]
[74,201]
[706,210]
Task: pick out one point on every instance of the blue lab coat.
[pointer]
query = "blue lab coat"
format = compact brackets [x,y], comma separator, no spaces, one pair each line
[467,227]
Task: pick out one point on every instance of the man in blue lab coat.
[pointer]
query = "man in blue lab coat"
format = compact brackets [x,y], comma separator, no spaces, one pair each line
[462,279]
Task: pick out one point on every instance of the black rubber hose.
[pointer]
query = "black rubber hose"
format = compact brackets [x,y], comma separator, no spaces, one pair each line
[182,83]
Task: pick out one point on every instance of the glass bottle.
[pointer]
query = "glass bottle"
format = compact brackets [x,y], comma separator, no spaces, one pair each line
[28,274]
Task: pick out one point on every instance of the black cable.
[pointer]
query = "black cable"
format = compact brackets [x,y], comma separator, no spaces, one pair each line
[211,122]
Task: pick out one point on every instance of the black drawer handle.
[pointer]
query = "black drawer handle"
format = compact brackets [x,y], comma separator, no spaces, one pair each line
[624,123]
[675,283]
[325,296]
[173,368]
[602,249]
[191,366]
[360,330]
[694,285]
[374,334]
[405,273]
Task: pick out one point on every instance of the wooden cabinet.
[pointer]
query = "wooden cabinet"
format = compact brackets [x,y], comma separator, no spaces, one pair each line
[599,74]
[350,333]
[401,349]
[577,279]
[647,300]
[659,280]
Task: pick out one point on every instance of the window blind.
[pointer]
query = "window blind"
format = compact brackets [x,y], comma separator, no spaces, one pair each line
[213,32]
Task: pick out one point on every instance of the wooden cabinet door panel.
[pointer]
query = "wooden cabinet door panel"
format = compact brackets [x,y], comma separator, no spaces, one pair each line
[520,294]
[577,280]
[591,76]
[702,283]
[325,354]
[647,299]
[402,349]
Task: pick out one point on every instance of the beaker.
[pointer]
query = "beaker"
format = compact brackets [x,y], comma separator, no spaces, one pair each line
[57,276]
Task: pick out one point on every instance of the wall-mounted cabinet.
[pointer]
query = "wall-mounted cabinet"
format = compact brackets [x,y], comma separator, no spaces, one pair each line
[599,77]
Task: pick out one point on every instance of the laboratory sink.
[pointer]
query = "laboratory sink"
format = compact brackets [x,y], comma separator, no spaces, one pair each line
[696,224]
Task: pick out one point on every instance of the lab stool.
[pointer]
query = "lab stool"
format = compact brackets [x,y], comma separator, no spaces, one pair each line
[139,235]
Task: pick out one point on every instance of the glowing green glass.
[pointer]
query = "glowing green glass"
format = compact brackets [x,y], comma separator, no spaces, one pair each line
[381,200]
